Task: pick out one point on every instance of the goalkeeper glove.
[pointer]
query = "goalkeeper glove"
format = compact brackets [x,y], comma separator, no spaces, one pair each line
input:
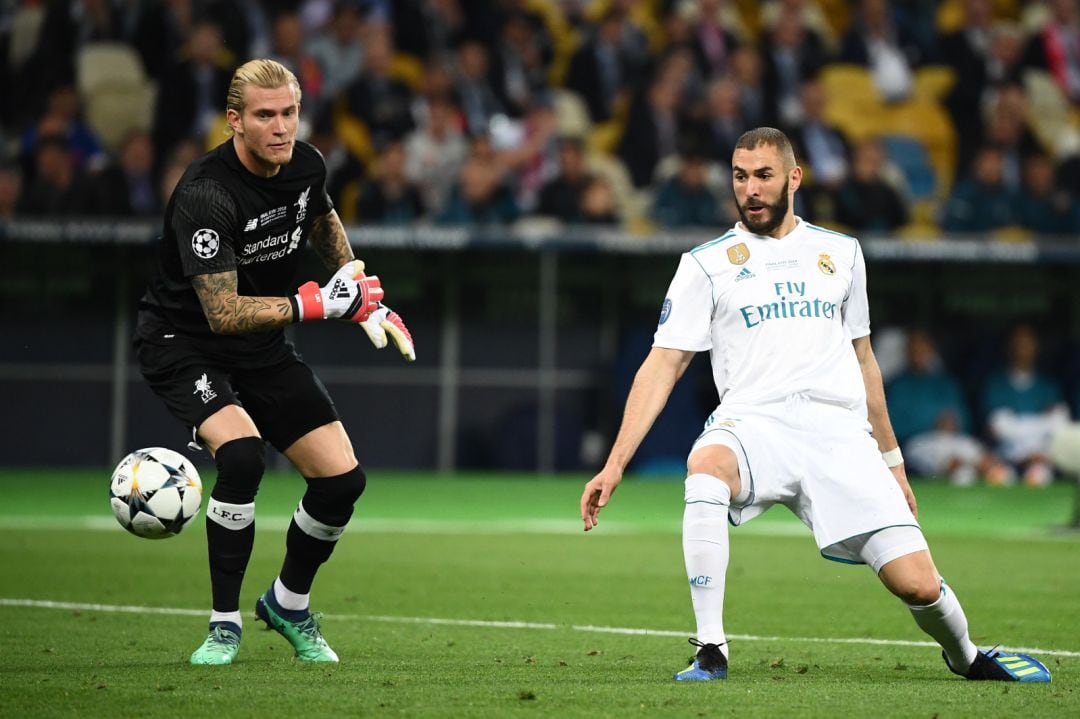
[349,295]
[384,325]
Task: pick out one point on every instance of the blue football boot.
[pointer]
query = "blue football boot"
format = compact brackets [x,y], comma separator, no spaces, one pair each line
[709,663]
[994,665]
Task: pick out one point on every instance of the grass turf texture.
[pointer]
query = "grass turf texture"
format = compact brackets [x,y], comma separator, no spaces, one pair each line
[510,549]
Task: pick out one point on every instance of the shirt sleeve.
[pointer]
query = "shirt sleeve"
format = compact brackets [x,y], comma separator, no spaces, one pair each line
[321,202]
[856,308]
[686,315]
[204,221]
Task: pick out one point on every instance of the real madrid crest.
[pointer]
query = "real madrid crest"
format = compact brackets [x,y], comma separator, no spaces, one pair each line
[738,254]
[825,264]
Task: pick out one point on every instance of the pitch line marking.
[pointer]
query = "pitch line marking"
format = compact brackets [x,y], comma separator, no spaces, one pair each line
[438,621]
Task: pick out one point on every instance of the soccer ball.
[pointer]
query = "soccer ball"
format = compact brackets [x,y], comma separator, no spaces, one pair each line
[155,492]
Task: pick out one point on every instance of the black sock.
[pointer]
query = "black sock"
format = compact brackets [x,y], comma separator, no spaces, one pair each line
[317,524]
[230,518]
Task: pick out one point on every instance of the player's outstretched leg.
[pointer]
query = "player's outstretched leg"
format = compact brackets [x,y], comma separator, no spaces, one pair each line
[299,627]
[709,663]
[221,645]
[995,665]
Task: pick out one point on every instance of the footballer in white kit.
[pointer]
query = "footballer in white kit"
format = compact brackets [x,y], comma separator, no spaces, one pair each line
[781,307]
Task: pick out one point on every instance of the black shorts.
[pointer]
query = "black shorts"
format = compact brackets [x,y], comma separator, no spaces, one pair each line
[281,394]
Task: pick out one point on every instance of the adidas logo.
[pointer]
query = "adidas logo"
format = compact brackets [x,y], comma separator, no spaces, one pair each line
[340,289]
[744,275]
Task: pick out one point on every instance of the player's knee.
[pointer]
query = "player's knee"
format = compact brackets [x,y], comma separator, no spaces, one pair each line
[717,461]
[919,590]
[331,499]
[240,464]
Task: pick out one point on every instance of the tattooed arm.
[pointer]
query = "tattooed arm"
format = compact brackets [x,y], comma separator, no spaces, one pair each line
[231,314]
[329,240]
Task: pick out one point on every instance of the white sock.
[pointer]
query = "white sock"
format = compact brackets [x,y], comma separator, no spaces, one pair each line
[705,551]
[289,599]
[233,617]
[944,620]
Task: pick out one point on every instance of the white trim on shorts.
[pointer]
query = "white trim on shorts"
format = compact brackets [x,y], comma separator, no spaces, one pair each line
[878,548]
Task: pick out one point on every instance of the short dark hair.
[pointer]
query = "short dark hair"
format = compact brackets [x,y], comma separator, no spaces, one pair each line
[752,139]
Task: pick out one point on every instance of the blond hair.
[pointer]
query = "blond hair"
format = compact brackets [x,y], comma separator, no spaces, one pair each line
[267,74]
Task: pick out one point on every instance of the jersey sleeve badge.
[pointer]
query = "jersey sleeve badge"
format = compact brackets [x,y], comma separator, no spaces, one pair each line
[205,243]
[738,254]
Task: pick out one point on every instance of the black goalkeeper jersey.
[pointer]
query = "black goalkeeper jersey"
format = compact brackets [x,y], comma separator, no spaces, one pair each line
[222,217]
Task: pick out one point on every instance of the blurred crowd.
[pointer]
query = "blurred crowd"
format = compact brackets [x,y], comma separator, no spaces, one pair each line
[1018,408]
[910,117]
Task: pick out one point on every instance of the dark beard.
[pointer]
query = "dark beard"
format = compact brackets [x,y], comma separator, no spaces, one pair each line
[775,215]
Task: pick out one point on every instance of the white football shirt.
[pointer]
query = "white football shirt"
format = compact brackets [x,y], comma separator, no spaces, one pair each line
[778,315]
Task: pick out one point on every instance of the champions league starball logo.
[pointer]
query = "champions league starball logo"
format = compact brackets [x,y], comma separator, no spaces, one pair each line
[205,243]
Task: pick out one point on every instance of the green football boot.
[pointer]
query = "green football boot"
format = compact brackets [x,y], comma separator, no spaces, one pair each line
[301,629]
[221,645]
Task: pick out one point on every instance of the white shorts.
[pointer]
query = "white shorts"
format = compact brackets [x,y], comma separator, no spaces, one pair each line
[819,461]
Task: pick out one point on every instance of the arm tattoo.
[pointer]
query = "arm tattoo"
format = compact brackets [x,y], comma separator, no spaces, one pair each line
[230,313]
[329,240]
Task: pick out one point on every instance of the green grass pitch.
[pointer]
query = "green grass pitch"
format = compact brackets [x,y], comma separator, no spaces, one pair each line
[479,596]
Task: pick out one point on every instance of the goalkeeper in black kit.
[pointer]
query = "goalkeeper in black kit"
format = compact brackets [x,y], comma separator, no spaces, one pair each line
[209,343]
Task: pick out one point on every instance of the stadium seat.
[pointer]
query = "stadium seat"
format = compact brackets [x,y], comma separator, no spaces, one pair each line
[115,91]
[933,82]
[618,177]
[111,64]
[910,155]
[929,124]
[1050,114]
[572,116]
[849,84]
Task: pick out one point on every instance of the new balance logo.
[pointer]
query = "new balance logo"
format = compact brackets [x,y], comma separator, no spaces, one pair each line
[744,275]
[251,224]
[340,289]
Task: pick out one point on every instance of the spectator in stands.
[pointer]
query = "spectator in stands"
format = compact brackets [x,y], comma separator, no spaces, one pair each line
[480,197]
[966,51]
[791,56]
[714,35]
[931,419]
[519,63]
[1006,128]
[819,143]
[63,117]
[605,69]
[724,122]
[885,48]
[289,49]
[475,95]
[1056,47]
[1044,208]
[189,94]
[376,98]
[810,15]
[129,187]
[435,152]
[561,196]
[389,198]
[430,28]
[652,129]
[598,205]
[1024,408]
[866,202]
[981,202]
[339,49]
[746,70]
[10,190]
[685,199]
[58,188]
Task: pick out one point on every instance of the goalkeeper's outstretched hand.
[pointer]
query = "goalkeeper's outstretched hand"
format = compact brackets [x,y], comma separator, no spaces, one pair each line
[349,295]
[385,325]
